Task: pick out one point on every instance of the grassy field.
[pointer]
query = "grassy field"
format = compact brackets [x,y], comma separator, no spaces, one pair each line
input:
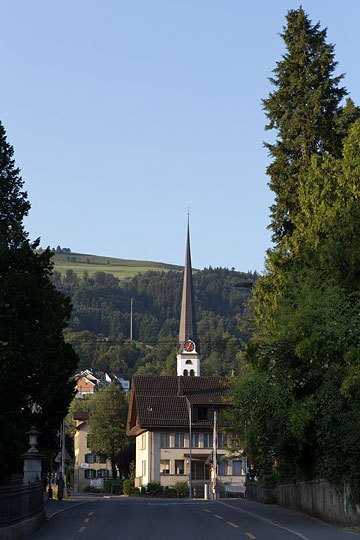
[121,268]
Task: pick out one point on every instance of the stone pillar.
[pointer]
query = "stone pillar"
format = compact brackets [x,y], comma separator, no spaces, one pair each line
[32,459]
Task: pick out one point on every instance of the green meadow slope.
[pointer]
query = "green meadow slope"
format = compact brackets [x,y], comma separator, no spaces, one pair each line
[121,268]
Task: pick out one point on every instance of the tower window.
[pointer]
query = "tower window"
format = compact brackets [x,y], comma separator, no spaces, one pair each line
[186,372]
[188,362]
[192,373]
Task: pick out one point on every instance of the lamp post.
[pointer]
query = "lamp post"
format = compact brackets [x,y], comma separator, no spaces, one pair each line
[190,444]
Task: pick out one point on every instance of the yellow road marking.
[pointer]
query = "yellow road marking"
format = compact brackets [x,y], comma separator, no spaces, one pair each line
[233,524]
[217,516]
[206,510]
[86,520]
[250,535]
[82,529]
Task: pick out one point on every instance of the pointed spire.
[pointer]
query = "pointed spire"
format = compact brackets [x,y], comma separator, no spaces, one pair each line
[187,330]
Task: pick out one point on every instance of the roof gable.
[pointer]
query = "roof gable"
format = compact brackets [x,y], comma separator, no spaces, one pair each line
[163,401]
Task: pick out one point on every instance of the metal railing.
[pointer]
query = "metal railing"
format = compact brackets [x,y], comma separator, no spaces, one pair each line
[20,502]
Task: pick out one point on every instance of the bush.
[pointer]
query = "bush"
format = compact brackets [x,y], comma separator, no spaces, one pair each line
[129,489]
[182,487]
[153,488]
[170,492]
[92,489]
[114,486]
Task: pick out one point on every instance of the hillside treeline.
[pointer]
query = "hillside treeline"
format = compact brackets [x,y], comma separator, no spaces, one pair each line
[100,325]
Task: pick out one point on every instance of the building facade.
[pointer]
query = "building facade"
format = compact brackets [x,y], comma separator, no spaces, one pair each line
[172,417]
[89,469]
[162,413]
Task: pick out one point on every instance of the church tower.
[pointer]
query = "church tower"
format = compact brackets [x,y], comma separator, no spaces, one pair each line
[188,357]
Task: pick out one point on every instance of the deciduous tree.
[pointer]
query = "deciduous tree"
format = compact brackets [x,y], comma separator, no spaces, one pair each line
[108,423]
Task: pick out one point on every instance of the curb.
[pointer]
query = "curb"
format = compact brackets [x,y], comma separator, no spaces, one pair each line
[64,510]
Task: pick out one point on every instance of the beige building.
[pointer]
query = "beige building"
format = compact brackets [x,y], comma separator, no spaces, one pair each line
[89,469]
[164,410]
[159,417]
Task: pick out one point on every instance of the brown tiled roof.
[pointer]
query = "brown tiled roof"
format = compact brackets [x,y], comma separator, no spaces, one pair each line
[80,415]
[162,401]
[162,410]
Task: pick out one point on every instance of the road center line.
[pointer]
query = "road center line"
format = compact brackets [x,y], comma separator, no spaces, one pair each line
[233,524]
[206,510]
[90,513]
[250,536]
[86,520]
[217,516]
[265,520]
[82,529]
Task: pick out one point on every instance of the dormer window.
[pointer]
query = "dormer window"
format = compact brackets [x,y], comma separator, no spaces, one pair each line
[201,413]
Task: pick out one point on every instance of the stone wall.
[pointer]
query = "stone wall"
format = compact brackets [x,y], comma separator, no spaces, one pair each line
[261,494]
[317,498]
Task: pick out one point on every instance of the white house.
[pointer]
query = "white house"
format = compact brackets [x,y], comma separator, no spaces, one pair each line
[163,410]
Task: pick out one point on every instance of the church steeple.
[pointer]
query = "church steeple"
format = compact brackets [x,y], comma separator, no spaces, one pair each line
[188,359]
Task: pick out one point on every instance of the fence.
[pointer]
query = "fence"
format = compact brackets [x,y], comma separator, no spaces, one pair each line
[19,503]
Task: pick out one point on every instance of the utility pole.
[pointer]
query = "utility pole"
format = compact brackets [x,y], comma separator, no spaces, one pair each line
[131,319]
[60,481]
[63,448]
[190,444]
[214,472]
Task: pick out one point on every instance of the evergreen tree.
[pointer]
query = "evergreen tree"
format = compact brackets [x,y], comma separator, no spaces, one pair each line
[305,111]
[302,109]
[36,363]
[304,358]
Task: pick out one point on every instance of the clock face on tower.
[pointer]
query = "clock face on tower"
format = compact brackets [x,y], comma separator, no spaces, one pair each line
[189,346]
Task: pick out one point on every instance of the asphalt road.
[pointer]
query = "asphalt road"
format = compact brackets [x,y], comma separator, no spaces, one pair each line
[153,519]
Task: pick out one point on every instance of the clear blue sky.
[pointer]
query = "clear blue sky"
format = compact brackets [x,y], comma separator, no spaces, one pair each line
[123,113]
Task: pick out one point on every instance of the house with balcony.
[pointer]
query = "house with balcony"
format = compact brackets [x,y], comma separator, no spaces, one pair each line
[163,411]
[173,417]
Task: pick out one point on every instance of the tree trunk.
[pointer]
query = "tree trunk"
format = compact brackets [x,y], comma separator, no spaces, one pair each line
[113,468]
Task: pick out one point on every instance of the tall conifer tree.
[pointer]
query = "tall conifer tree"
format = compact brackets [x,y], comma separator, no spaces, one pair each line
[35,361]
[307,304]
[302,109]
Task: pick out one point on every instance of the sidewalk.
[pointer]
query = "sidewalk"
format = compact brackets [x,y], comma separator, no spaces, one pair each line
[289,519]
[54,506]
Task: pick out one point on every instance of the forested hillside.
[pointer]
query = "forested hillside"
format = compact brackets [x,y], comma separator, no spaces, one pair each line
[100,325]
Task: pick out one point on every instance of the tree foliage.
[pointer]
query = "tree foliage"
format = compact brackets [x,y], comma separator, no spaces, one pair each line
[36,363]
[100,324]
[107,423]
[303,361]
[302,109]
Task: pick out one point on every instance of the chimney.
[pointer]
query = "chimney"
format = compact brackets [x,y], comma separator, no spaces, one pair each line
[180,386]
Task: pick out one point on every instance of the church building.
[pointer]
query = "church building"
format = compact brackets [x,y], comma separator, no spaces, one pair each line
[172,417]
